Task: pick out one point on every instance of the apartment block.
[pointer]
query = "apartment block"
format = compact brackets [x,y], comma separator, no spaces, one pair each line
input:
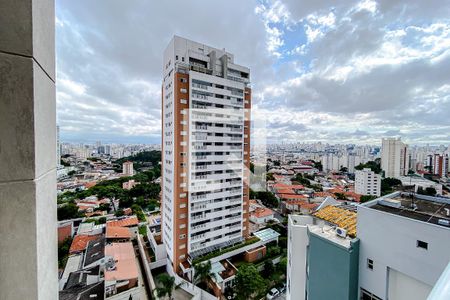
[404,245]
[394,157]
[323,250]
[206,102]
[367,182]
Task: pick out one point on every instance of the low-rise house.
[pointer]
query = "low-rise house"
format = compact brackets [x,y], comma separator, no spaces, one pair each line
[121,272]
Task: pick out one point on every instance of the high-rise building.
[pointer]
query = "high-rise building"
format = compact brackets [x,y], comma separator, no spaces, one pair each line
[367,182]
[206,103]
[127,168]
[394,157]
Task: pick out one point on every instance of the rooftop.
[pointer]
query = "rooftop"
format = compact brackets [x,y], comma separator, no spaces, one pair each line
[340,216]
[125,222]
[435,210]
[115,232]
[94,251]
[124,262]
[88,292]
[80,242]
[267,235]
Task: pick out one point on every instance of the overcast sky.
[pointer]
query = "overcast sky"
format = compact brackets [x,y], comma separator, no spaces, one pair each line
[350,72]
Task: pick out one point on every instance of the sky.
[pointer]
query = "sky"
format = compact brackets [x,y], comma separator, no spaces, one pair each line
[331,71]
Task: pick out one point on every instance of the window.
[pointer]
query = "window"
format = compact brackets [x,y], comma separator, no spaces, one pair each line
[183,80]
[182,226]
[182,59]
[365,295]
[182,236]
[182,246]
[370,263]
[183,101]
[184,91]
[176,57]
[422,244]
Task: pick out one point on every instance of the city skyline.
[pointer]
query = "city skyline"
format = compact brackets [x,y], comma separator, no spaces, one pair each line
[352,73]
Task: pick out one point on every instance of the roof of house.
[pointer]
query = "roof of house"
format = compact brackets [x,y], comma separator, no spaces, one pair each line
[124,260]
[126,222]
[87,292]
[288,186]
[262,212]
[95,251]
[340,217]
[292,197]
[80,242]
[302,203]
[115,232]
[80,277]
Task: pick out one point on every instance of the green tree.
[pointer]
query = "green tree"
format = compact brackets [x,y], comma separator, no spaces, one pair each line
[63,252]
[267,198]
[71,173]
[202,272]
[248,282]
[282,265]
[429,191]
[167,286]
[388,185]
[343,169]
[268,268]
[68,211]
[373,165]
[366,198]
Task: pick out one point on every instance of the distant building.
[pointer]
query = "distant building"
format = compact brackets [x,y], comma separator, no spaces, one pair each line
[367,182]
[127,168]
[394,158]
[128,185]
[440,165]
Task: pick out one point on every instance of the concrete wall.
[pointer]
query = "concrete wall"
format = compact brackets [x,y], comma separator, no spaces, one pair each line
[391,241]
[297,251]
[333,269]
[28,256]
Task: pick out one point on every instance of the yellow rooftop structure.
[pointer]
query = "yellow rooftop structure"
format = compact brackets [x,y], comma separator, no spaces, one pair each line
[340,217]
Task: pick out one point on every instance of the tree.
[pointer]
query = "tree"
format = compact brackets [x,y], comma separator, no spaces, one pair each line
[366,198]
[267,198]
[268,268]
[68,211]
[248,282]
[373,165]
[343,169]
[167,287]
[388,184]
[340,196]
[282,265]
[202,273]
[63,252]
[429,191]
[71,173]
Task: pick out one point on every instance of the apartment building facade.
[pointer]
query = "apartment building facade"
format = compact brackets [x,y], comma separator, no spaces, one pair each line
[367,182]
[206,101]
[394,157]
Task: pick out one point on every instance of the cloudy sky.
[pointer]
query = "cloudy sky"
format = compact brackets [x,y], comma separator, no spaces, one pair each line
[333,71]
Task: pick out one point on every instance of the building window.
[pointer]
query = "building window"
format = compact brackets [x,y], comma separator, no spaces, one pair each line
[182,58]
[176,57]
[182,236]
[365,295]
[182,226]
[370,263]
[422,244]
[183,80]
[184,91]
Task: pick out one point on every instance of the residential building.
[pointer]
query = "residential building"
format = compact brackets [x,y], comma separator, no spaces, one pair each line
[127,168]
[206,103]
[394,158]
[323,249]
[367,182]
[404,245]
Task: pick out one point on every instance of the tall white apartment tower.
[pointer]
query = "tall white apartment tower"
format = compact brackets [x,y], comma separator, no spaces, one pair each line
[206,103]
[394,157]
[367,182]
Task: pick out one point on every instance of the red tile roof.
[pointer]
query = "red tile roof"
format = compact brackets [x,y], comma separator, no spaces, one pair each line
[131,221]
[80,242]
[113,232]
[262,212]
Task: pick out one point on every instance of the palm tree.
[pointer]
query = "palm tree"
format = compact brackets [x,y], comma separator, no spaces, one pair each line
[167,286]
[202,272]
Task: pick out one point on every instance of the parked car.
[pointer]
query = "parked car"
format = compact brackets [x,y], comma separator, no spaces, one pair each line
[272,294]
[282,287]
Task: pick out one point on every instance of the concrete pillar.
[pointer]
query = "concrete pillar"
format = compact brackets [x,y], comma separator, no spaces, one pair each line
[28,234]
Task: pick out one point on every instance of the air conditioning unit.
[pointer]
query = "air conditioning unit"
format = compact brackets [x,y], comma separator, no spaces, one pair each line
[341,232]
